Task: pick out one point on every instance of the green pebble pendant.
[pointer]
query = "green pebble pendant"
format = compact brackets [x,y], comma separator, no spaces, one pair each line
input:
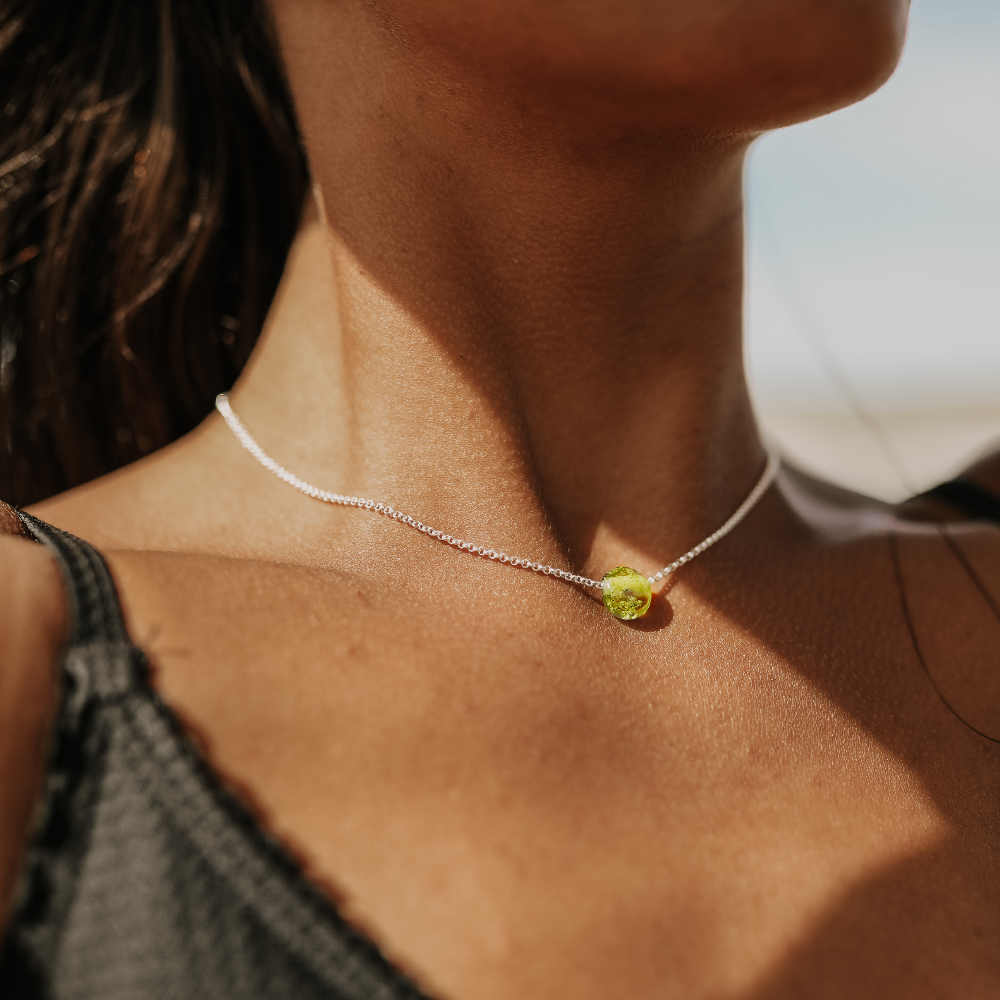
[627,593]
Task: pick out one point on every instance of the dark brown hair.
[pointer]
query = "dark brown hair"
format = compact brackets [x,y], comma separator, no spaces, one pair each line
[151,178]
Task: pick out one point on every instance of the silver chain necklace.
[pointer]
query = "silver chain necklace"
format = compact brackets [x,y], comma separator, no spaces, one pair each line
[626,593]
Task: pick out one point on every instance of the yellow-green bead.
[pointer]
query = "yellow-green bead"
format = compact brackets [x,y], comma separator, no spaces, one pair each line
[627,593]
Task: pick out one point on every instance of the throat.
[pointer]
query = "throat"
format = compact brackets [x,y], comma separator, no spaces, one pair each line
[575,399]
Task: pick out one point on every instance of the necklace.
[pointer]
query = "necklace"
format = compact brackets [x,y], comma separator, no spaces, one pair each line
[626,593]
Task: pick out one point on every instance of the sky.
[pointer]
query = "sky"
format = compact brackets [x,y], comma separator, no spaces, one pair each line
[874,236]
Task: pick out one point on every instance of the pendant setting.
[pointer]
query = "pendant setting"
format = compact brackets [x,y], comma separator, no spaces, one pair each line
[626,593]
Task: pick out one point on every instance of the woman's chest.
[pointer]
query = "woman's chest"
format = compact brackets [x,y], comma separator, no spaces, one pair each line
[516,813]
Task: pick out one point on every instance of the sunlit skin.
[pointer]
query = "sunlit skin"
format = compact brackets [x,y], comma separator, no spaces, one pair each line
[514,310]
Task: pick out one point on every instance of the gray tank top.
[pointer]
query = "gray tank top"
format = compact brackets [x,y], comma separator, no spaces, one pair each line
[145,877]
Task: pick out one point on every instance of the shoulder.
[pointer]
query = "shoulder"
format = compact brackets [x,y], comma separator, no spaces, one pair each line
[32,600]
[943,581]
[967,552]
[949,580]
[32,628]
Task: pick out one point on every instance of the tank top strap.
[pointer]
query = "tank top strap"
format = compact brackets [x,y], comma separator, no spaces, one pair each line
[146,875]
[99,656]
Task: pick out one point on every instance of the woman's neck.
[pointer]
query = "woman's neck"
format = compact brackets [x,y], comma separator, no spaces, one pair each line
[523,332]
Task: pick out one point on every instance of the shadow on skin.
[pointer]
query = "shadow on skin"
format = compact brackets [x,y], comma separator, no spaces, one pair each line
[804,601]
[658,617]
[914,926]
[844,955]
[830,613]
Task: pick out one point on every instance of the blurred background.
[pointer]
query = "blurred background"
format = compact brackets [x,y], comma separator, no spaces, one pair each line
[874,267]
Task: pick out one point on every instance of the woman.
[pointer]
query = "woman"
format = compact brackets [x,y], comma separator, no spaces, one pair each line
[513,309]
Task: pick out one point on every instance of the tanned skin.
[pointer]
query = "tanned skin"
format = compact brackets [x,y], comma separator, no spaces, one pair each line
[514,309]
[32,628]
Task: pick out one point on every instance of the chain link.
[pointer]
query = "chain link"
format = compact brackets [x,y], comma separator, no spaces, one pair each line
[249,442]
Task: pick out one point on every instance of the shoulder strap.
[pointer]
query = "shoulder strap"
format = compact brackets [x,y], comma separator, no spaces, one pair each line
[95,613]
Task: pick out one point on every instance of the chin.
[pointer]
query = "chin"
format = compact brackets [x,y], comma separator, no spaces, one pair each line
[745,65]
[812,58]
